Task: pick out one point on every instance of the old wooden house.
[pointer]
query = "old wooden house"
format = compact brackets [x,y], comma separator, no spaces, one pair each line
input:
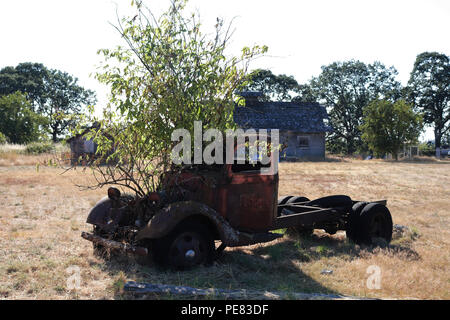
[302,126]
[81,149]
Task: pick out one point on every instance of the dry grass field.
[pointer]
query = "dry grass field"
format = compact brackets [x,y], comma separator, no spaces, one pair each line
[42,214]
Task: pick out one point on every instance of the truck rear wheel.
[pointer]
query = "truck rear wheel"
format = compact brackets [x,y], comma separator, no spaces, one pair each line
[284,199]
[298,230]
[297,199]
[188,245]
[281,201]
[342,201]
[352,229]
[375,222]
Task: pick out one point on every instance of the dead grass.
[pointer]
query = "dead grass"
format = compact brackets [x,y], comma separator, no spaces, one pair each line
[16,155]
[43,213]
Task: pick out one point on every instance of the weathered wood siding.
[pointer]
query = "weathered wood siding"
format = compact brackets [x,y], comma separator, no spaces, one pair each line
[315,149]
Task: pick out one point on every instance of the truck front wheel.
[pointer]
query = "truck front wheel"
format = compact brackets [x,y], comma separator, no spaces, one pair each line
[188,245]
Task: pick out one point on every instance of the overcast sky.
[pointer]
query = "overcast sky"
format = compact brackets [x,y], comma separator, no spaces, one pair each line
[302,36]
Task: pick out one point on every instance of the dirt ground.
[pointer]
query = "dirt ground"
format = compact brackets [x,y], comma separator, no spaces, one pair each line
[43,213]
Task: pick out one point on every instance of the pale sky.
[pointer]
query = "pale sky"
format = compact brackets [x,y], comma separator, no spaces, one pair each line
[302,36]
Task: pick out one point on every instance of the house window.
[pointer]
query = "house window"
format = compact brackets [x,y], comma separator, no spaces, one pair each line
[303,142]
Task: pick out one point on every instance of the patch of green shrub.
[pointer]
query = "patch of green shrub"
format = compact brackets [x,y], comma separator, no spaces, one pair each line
[39,147]
[3,139]
[427,149]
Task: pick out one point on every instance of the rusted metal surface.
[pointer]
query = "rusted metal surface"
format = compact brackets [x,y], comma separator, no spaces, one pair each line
[240,193]
[246,199]
[98,214]
[250,200]
[107,210]
[111,244]
[166,219]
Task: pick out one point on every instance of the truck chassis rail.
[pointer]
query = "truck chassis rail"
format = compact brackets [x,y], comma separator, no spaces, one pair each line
[310,216]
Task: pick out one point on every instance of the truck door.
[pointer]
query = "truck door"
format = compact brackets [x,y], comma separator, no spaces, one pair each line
[251,197]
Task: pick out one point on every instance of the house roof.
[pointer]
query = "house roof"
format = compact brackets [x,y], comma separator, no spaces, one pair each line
[300,117]
[86,129]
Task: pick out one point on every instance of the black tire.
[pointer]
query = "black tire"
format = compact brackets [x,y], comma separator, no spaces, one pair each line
[375,222]
[188,245]
[294,200]
[297,199]
[281,201]
[284,199]
[353,228]
[298,230]
[333,201]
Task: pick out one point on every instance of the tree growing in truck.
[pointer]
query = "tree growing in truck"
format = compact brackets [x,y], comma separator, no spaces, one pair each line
[169,75]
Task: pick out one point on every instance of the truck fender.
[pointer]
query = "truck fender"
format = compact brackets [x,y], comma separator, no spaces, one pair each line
[100,212]
[105,211]
[165,220]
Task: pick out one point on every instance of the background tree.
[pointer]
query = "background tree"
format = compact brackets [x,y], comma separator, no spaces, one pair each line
[53,94]
[64,103]
[169,75]
[29,78]
[429,91]
[388,126]
[345,88]
[18,122]
[307,93]
[273,87]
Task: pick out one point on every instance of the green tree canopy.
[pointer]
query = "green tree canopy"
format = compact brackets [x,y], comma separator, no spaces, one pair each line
[53,94]
[169,75]
[18,122]
[65,102]
[429,91]
[388,126]
[345,88]
[29,78]
[273,87]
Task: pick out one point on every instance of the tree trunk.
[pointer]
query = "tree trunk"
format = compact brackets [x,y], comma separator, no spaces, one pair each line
[437,140]
[350,145]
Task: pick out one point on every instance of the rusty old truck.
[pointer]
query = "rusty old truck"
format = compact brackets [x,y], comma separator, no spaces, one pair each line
[206,208]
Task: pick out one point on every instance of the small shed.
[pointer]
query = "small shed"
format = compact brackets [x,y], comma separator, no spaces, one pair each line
[81,148]
[302,126]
